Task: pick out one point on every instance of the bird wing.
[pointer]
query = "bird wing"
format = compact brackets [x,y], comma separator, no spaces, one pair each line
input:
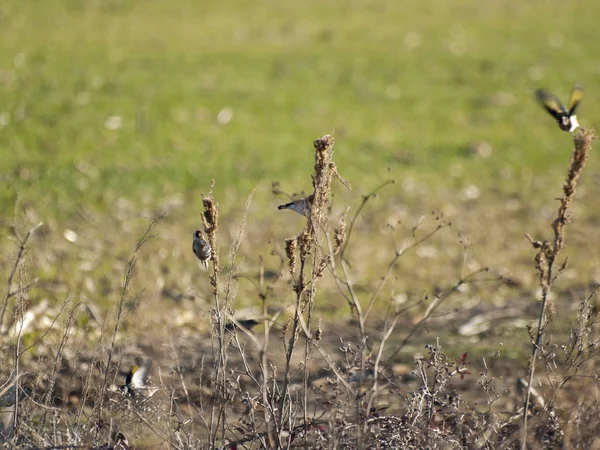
[551,103]
[576,95]
[203,252]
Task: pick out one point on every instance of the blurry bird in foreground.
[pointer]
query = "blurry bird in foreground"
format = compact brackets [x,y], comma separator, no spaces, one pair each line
[566,118]
[8,392]
[120,443]
[301,206]
[137,379]
[201,249]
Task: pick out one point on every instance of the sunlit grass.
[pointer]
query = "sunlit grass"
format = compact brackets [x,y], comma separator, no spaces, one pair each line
[409,87]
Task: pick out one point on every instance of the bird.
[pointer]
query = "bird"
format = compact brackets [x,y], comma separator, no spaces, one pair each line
[301,206]
[201,249]
[8,392]
[137,378]
[566,118]
[121,442]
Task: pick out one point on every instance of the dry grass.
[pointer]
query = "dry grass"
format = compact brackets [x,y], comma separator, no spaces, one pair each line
[287,379]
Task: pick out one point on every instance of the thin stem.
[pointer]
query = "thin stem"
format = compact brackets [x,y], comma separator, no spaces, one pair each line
[548,253]
[8,293]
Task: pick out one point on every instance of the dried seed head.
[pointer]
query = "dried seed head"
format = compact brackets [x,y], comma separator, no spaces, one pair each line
[322,178]
[284,329]
[318,333]
[305,240]
[290,251]
[210,212]
[339,234]
[210,219]
[324,143]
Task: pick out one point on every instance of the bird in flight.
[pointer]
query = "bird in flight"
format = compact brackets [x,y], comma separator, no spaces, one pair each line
[566,118]
[136,380]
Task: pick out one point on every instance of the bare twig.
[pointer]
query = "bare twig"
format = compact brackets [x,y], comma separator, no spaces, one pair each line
[8,293]
[129,274]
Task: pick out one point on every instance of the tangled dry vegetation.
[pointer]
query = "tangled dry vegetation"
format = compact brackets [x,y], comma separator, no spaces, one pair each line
[282,387]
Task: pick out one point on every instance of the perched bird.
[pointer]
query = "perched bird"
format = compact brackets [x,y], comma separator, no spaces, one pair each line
[566,118]
[301,206]
[137,379]
[201,249]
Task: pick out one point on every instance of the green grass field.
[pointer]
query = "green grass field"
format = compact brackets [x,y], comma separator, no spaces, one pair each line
[113,111]
[409,87]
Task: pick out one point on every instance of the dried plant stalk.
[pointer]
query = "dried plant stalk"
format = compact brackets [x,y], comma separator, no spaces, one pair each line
[549,251]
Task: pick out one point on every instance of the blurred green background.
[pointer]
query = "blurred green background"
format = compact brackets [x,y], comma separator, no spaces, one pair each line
[136,99]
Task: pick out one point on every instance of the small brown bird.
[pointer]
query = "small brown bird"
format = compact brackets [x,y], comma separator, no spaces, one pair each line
[566,118]
[301,206]
[201,249]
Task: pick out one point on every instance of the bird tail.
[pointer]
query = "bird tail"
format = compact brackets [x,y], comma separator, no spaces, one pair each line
[286,206]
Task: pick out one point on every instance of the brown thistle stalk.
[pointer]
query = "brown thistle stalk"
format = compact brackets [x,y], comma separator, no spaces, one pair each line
[210,219]
[306,242]
[548,252]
